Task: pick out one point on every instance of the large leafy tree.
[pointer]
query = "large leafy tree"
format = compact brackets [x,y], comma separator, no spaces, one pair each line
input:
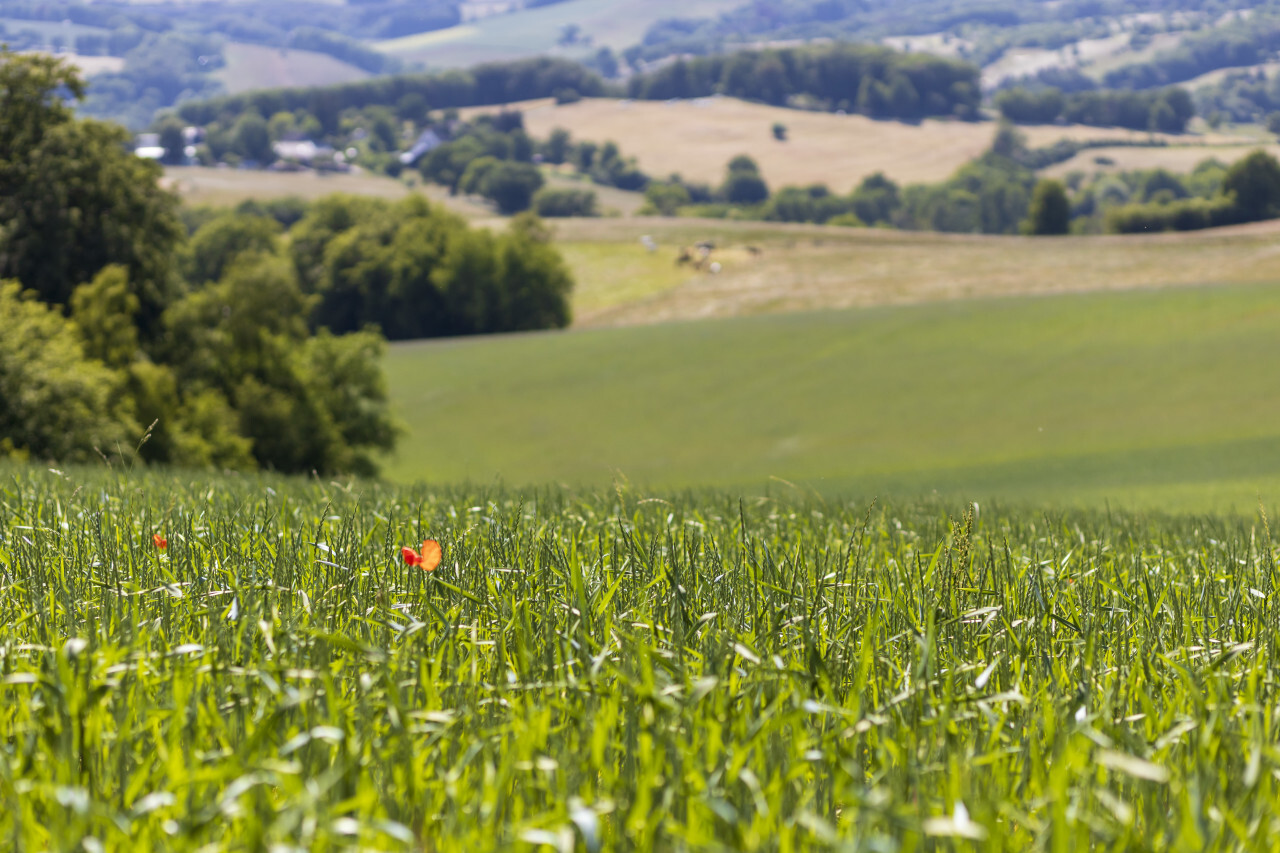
[55,403]
[73,198]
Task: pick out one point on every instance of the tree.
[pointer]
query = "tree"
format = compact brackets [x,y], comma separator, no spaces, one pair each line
[779,131]
[511,186]
[1050,212]
[217,243]
[252,139]
[558,145]
[554,203]
[305,403]
[172,139]
[55,404]
[1255,183]
[73,199]
[105,310]
[743,184]
[666,199]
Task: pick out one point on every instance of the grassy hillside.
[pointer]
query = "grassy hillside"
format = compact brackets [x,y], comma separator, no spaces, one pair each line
[612,23]
[1176,158]
[252,66]
[1166,397]
[697,138]
[799,267]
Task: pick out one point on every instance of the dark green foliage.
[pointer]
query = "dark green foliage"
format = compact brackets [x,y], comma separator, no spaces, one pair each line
[341,47]
[55,404]
[251,140]
[217,244]
[1246,192]
[1243,96]
[1239,44]
[1191,214]
[494,83]
[73,200]
[509,185]
[871,80]
[105,310]
[806,204]
[159,71]
[416,271]
[226,375]
[304,403]
[666,199]
[1166,110]
[555,203]
[743,184]
[1254,182]
[172,140]
[1050,212]
[780,131]
[557,147]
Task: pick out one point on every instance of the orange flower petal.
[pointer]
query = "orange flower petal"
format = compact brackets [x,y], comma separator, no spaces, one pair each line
[432,553]
[411,557]
[159,541]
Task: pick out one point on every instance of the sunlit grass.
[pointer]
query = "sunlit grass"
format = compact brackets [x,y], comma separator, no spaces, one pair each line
[1161,399]
[623,670]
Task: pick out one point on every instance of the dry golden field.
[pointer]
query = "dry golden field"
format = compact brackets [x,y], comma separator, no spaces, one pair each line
[801,268]
[220,187]
[1175,158]
[697,138]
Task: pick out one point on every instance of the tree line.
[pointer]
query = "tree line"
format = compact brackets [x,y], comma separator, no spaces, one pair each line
[1164,110]
[867,79]
[1248,42]
[250,339]
[483,85]
[1000,193]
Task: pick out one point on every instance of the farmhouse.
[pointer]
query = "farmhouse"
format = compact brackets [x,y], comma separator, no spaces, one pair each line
[429,141]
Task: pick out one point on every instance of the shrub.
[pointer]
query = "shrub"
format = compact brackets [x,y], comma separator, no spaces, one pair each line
[55,403]
[666,199]
[1050,212]
[557,203]
[511,186]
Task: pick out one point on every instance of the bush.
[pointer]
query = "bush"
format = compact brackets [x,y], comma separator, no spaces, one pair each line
[1050,212]
[1255,184]
[743,184]
[416,271]
[666,199]
[511,186]
[557,203]
[55,404]
[1188,215]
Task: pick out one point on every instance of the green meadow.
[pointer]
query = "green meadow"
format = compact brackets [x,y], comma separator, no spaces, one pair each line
[1164,398]
[619,669]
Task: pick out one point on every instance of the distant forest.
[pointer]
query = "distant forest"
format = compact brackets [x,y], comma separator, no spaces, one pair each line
[866,79]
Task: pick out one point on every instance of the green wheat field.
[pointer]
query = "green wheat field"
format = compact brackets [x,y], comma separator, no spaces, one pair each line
[1150,399]
[625,670]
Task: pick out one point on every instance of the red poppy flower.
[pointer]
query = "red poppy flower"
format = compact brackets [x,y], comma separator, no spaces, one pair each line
[427,560]
[159,541]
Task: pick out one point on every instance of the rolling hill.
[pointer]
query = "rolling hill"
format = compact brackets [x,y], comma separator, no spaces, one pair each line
[697,138]
[1165,398]
[253,66]
[538,31]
